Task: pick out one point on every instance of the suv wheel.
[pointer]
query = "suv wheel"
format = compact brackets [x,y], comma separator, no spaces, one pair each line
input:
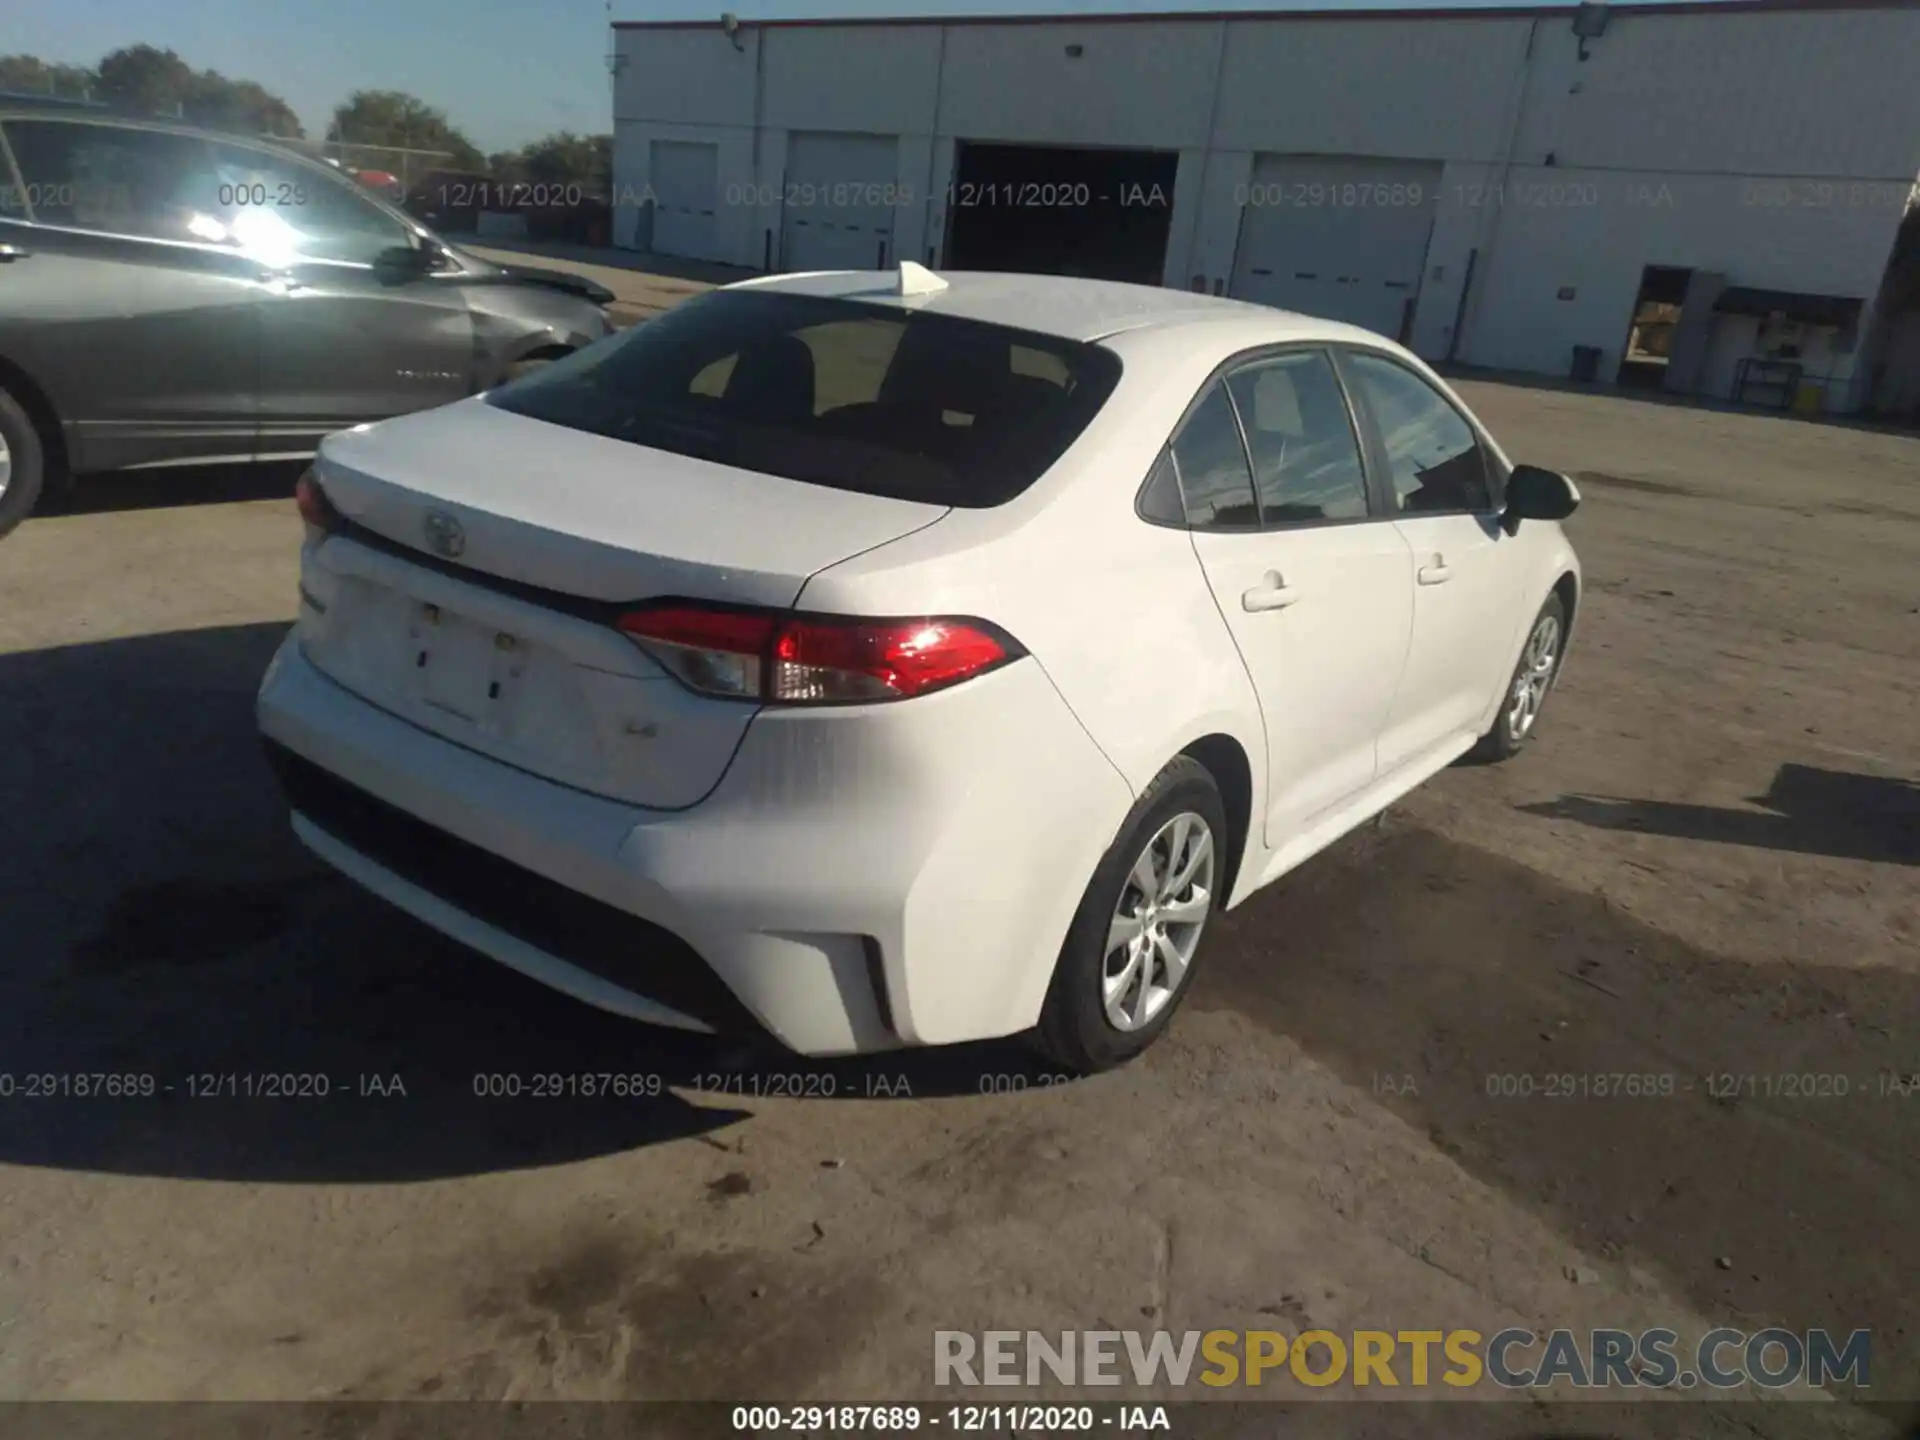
[22,463]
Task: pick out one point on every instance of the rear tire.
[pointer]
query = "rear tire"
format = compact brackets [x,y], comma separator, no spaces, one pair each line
[1129,955]
[22,463]
[1538,668]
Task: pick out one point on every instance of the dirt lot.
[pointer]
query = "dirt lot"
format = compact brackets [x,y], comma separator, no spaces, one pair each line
[1708,865]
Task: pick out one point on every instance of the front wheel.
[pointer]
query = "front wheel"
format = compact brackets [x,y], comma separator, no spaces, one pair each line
[1129,955]
[22,463]
[1532,682]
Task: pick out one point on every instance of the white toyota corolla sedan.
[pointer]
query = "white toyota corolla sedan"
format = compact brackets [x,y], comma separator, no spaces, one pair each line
[883,659]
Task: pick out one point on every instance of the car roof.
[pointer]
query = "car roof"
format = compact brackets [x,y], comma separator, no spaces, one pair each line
[91,112]
[1060,305]
[55,104]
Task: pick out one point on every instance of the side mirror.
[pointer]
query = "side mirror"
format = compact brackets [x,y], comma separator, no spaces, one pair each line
[401,263]
[1537,494]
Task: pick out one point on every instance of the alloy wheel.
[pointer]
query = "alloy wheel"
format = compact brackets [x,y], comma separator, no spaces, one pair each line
[1534,677]
[1157,922]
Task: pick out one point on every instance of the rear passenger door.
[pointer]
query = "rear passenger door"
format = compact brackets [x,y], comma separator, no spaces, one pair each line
[1445,497]
[1312,579]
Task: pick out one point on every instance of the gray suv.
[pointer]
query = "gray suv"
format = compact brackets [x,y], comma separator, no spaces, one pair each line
[171,296]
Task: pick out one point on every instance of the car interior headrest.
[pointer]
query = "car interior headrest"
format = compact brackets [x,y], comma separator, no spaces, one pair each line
[774,379]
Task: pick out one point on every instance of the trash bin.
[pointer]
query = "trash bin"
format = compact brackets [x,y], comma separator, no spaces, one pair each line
[1810,399]
[1586,363]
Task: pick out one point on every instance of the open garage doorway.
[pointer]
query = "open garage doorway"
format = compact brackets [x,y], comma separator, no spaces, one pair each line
[1648,349]
[1050,210]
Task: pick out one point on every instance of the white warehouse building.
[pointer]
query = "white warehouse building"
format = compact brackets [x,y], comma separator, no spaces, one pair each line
[1708,198]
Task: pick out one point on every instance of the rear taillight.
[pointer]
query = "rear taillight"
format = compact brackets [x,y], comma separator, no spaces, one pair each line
[313,504]
[779,659]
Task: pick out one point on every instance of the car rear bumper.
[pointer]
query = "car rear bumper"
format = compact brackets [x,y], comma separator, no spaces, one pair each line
[858,880]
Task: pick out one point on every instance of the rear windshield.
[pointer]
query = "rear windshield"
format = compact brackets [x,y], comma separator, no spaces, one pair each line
[906,404]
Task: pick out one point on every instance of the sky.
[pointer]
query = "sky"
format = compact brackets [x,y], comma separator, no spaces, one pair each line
[505,71]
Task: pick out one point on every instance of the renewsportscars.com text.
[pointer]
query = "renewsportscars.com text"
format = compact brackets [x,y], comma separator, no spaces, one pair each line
[1513,1359]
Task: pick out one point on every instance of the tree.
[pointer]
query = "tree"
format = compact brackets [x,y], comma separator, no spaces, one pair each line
[562,158]
[240,105]
[30,75]
[146,79]
[565,158]
[149,80]
[394,118]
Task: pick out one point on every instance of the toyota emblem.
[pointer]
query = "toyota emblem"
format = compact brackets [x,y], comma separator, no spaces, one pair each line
[445,534]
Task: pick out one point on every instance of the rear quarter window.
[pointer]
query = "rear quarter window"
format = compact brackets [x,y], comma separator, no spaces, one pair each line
[910,404]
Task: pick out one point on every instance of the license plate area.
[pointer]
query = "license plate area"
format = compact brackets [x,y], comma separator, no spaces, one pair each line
[548,693]
[462,667]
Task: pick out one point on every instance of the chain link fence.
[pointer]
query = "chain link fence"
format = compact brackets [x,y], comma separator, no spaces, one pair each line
[406,165]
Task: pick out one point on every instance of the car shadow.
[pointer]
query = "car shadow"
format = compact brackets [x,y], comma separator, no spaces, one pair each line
[1748,1132]
[1808,811]
[169,487]
[188,992]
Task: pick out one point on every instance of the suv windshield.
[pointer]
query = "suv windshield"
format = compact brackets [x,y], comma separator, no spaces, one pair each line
[906,404]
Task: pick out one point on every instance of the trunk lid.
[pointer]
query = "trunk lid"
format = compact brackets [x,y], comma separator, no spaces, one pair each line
[526,540]
[597,518]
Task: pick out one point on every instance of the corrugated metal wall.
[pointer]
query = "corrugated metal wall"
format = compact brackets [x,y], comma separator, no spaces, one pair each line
[1768,145]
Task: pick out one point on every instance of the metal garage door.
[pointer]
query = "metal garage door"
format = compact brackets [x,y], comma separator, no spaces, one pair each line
[837,205]
[685,176]
[1337,237]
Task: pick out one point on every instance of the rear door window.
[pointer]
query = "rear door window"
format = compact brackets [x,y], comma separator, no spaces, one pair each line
[1306,459]
[915,405]
[1211,460]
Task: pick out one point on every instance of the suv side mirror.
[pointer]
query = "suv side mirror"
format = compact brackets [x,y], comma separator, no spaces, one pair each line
[1537,494]
[401,263]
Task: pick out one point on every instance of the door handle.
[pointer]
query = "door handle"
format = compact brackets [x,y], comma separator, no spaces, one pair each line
[11,253]
[1272,593]
[1435,574]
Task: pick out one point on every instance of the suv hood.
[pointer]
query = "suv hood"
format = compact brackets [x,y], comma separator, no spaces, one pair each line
[560,280]
[486,272]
